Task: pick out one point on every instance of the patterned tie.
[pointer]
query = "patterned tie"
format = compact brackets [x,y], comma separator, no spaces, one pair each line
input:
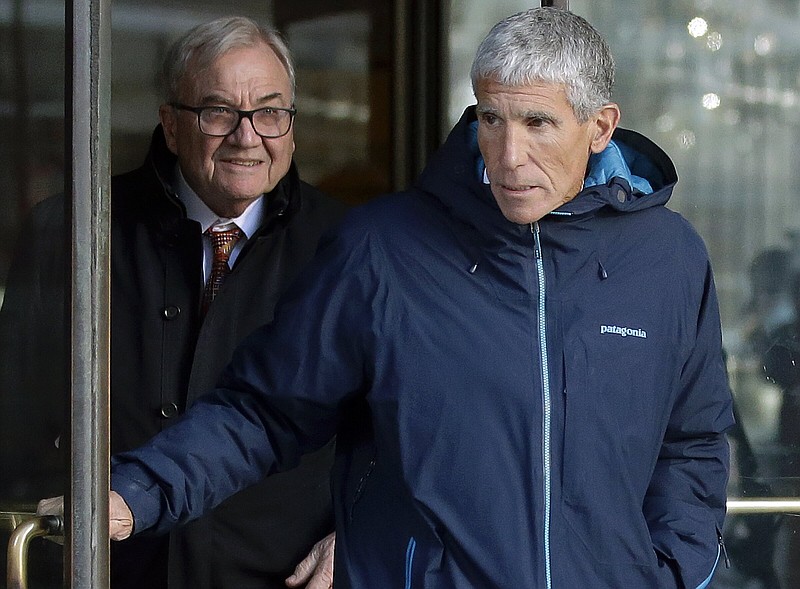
[223,242]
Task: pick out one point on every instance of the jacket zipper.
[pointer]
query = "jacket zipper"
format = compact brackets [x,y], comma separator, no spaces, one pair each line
[360,489]
[723,550]
[546,401]
[412,546]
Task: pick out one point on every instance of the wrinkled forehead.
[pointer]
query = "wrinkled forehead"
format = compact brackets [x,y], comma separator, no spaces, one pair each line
[245,66]
[490,90]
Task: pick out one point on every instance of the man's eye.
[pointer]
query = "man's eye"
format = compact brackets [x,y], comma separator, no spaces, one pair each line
[218,110]
[488,118]
[537,122]
[267,111]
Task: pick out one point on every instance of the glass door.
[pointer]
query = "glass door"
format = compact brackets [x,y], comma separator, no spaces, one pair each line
[34,321]
[54,318]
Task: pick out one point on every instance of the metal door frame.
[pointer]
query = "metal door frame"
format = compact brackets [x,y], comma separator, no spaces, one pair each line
[87,183]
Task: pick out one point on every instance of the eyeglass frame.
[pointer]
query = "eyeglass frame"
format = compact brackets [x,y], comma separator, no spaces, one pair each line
[246,114]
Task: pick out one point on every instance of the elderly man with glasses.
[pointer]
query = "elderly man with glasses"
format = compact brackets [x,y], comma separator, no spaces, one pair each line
[205,237]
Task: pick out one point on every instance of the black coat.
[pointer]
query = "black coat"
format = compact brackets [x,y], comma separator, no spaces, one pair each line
[163,356]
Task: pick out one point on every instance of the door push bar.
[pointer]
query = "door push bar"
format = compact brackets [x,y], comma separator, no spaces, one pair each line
[764,505]
[52,525]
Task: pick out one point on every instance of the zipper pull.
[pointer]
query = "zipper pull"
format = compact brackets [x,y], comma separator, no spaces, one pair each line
[723,549]
[602,271]
[537,245]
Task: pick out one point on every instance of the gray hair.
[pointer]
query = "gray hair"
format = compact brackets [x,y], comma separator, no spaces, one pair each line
[207,42]
[549,45]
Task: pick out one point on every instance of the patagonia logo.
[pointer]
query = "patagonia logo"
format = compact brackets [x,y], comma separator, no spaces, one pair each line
[623,331]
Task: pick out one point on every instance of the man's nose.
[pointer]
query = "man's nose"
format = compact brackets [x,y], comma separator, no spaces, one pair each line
[245,134]
[512,149]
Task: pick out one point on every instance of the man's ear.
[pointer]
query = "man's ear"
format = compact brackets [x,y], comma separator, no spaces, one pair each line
[604,123]
[169,120]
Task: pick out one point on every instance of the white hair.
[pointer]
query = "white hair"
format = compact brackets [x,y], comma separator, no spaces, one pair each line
[550,45]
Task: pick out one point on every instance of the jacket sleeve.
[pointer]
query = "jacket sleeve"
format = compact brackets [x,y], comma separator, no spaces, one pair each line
[278,398]
[685,502]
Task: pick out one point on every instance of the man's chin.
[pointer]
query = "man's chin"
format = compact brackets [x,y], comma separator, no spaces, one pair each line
[522,217]
[525,213]
[231,205]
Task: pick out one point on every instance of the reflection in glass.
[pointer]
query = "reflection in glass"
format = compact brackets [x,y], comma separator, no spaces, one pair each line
[32,146]
[342,131]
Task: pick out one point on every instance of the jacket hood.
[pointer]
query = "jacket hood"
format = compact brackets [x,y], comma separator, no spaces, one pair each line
[631,174]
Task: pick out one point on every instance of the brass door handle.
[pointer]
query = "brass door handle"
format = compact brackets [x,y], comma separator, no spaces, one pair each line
[17,571]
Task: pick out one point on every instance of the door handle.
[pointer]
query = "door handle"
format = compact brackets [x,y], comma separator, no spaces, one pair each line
[753,505]
[17,571]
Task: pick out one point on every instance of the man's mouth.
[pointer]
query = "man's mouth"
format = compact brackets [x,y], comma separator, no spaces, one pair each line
[517,188]
[246,163]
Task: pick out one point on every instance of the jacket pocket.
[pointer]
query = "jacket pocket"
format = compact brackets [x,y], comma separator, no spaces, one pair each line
[601,501]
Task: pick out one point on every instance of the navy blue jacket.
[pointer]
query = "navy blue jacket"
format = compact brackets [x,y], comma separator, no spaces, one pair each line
[517,406]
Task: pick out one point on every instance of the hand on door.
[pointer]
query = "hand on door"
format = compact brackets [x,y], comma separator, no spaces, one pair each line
[51,506]
[120,518]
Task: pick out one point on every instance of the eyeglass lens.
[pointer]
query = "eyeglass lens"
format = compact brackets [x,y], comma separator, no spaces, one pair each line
[267,122]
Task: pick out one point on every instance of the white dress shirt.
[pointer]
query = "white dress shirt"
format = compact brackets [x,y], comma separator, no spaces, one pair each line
[249,221]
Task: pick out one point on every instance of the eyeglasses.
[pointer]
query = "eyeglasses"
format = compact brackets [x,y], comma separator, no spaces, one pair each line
[220,121]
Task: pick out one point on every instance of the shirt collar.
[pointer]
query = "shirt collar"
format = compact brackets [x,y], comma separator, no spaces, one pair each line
[249,221]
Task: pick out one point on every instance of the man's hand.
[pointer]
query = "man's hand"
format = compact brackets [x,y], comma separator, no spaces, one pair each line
[120,518]
[316,570]
[51,506]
